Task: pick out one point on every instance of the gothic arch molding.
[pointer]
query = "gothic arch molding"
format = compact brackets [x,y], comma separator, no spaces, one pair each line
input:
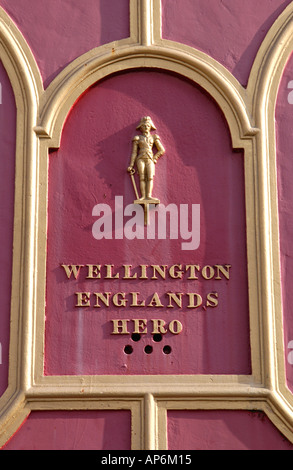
[27,86]
[263,87]
[96,65]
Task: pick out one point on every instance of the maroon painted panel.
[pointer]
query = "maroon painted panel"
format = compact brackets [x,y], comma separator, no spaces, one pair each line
[199,167]
[223,430]
[74,430]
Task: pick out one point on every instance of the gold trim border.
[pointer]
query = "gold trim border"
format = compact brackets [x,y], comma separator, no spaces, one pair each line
[40,118]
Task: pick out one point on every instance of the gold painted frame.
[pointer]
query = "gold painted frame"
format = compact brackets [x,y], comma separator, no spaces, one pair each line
[40,118]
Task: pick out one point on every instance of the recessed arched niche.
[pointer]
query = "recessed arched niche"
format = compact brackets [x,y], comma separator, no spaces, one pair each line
[197,297]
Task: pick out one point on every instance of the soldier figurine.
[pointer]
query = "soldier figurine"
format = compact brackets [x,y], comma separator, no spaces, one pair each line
[145,159]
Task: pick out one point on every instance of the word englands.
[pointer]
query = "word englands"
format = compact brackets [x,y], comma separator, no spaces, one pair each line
[117,228]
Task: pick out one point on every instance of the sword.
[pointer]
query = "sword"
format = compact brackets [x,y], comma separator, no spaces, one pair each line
[144,203]
[133,182]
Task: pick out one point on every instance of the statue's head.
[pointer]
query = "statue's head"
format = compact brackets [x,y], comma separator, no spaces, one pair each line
[146,121]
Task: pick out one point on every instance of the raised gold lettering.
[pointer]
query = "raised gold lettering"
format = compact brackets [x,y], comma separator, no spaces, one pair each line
[175,326]
[161,270]
[140,326]
[212,299]
[143,272]
[192,268]
[109,274]
[176,297]
[192,297]
[120,327]
[159,327]
[224,270]
[72,268]
[208,272]
[155,302]
[119,299]
[175,271]
[135,301]
[94,271]
[83,299]
[127,275]
[105,298]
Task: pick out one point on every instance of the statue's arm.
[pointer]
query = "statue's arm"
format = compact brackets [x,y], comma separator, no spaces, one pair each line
[134,153]
[160,148]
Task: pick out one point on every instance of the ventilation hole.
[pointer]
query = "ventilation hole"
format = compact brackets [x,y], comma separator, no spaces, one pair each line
[148,349]
[128,349]
[135,336]
[157,337]
[167,349]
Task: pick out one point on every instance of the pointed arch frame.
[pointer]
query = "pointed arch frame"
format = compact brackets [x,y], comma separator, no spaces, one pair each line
[40,118]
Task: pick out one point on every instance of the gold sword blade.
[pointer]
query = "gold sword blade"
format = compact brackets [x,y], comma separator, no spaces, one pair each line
[134,185]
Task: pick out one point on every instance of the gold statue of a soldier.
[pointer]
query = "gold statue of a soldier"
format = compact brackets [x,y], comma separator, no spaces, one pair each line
[145,159]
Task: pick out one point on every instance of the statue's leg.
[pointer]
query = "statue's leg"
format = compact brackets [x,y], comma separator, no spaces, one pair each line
[142,186]
[142,179]
[150,169]
[149,188]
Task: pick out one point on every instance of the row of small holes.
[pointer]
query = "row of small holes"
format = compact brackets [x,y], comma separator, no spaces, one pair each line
[156,337]
[148,349]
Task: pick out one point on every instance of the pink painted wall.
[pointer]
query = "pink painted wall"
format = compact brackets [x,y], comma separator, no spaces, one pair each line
[223,430]
[74,430]
[229,31]
[59,31]
[7,165]
[90,168]
[62,30]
